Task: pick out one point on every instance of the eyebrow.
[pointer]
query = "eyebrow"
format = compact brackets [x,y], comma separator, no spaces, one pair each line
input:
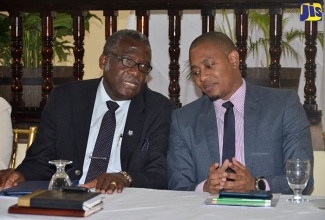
[202,62]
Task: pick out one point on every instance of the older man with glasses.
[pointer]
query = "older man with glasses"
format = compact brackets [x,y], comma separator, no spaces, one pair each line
[114,129]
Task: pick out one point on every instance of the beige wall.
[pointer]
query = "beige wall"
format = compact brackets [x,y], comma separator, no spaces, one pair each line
[319,173]
[94,42]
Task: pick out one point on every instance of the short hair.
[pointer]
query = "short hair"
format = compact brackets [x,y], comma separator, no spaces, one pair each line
[222,41]
[113,40]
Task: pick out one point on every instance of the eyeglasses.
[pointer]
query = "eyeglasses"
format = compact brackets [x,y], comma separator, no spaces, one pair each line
[127,62]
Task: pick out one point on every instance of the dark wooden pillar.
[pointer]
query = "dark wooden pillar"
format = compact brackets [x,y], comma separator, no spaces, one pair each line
[310,105]
[241,38]
[207,20]
[16,66]
[174,51]
[110,22]
[78,36]
[47,53]
[275,46]
[143,21]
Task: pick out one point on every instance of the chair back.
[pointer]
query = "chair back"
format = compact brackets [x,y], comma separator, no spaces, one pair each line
[19,135]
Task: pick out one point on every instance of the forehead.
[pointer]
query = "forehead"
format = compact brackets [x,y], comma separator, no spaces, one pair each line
[205,52]
[129,45]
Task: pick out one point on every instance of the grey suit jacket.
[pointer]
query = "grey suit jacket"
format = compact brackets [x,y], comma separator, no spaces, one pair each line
[64,129]
[275,129]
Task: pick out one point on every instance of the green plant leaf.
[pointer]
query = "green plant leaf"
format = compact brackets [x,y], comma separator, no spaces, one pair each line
[32,42]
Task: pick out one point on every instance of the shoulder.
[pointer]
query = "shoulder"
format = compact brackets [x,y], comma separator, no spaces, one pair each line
[154,99]
[201,105]
[76,87]
[271,95]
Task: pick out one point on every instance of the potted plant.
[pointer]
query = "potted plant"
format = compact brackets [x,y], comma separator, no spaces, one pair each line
[32,53]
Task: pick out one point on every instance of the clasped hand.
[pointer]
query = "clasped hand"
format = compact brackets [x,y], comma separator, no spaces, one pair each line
[9,178]
[219,179]
[108,183]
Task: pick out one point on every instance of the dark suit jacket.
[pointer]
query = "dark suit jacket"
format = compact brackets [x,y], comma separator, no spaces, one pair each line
[64,129]
[275,129]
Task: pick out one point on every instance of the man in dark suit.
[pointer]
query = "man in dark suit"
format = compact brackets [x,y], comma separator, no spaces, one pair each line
[72,118]
[270,128]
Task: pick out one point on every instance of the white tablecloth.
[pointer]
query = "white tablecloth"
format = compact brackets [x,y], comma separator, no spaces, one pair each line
[135,203]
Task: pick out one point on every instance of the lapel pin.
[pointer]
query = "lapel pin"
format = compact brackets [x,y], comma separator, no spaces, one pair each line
[130,133]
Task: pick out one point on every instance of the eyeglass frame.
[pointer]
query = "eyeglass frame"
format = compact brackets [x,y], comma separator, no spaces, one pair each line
[123,59]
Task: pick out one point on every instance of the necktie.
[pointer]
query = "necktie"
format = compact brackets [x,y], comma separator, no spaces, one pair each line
[103,145]
[229,132]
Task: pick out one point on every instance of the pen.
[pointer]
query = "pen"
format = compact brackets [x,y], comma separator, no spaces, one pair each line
[119,140]
[241,202]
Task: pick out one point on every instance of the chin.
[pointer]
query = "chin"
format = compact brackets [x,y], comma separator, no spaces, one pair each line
[213,97]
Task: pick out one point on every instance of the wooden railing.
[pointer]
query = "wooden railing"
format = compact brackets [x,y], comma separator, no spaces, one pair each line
[174,9]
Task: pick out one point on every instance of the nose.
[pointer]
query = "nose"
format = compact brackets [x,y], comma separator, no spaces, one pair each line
[134,71]
[204,74]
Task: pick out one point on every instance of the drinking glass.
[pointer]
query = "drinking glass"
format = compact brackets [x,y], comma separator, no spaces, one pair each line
[297,173]
[60,178]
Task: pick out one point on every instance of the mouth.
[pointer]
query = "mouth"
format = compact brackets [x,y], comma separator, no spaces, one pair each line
[208,87]
[131,85]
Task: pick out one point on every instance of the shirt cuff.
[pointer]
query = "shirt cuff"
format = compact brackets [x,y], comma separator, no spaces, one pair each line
[199,188]
[267,186]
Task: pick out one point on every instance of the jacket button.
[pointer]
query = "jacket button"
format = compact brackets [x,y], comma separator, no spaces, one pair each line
[77,172]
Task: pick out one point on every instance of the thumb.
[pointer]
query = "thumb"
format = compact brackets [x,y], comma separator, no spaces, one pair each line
[91,184]
[213,167]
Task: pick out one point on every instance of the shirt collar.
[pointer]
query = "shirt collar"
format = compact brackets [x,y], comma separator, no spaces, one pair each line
[237,99]
[103,97]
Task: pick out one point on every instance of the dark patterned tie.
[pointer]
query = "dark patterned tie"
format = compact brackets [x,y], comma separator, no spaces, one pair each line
[229,132]
[102,150]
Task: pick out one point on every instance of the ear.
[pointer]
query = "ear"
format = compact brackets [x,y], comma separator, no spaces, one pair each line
[234,58]
[102,61]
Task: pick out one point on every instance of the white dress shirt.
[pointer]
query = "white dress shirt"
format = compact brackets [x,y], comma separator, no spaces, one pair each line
[100,108]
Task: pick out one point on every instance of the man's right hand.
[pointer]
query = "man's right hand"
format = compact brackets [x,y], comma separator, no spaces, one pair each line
[10,177]
[215,180]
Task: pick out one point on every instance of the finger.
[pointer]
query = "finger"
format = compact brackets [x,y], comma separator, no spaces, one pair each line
[213,167]
[111,188]
[225,165]
[120,186]
[91,184]
[237,163]
[4,176]
[104,186]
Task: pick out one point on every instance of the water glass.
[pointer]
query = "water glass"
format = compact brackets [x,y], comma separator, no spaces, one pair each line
[297,173]
[60,178]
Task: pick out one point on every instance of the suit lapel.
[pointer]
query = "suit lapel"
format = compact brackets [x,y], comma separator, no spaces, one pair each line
[133,128]
[82,109]
[251,116]
[209,126]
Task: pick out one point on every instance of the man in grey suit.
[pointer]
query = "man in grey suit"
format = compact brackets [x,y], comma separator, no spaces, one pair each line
[270,128]
[71,122]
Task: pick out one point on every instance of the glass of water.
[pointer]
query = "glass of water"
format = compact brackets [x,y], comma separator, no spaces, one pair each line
[60,178]
[297,173]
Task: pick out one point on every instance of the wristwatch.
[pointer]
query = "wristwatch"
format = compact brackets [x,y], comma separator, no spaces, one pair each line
[260,183]
[127,176]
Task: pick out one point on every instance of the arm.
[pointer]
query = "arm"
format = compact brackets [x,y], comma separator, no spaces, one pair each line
[296,143]
[35,166]
[148,165]
[6,135]
[181,167]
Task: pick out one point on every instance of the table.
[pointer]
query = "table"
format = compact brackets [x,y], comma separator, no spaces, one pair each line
[137,203]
